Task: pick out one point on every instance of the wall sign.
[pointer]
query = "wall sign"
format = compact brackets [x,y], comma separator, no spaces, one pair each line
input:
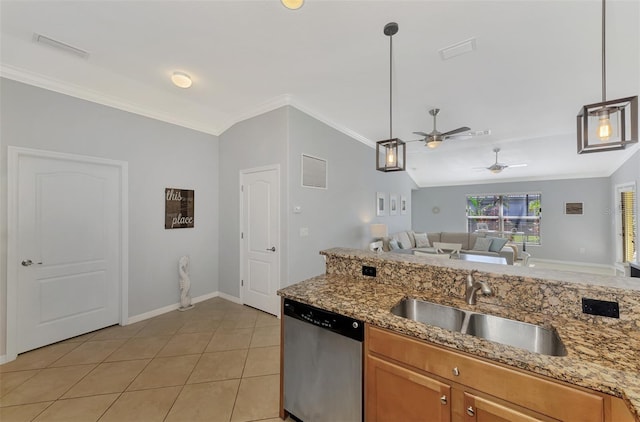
[575,208]
[178,208]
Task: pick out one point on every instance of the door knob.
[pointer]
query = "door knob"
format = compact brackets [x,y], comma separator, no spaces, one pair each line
[28,262]
[443,399]
[272,249]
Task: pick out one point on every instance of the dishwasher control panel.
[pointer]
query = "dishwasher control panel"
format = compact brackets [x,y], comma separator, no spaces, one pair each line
[337,323]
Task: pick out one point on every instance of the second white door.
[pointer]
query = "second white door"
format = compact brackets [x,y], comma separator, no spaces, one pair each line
[261,238]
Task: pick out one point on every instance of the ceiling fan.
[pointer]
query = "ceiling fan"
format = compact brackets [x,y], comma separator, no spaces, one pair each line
[434,138]
[498,167]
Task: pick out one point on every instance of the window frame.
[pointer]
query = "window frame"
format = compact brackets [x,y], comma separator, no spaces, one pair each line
[500,204]
[620,237]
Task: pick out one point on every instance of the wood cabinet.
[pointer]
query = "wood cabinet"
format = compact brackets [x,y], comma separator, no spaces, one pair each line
[412,380]
[395,393]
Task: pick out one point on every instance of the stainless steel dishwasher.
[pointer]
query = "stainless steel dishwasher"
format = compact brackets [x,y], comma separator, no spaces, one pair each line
[322,364]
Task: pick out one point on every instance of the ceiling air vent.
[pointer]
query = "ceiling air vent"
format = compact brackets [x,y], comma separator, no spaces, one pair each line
[458,49]
[41,39]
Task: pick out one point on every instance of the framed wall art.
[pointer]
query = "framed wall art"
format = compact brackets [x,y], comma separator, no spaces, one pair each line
[403,204]
[574,208]
[178,208]
[381,204]
[393,204]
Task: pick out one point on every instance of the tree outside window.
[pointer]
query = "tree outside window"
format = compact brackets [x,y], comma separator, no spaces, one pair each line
[516,216]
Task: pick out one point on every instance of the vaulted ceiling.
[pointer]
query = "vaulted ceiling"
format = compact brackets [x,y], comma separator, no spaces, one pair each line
[535,64]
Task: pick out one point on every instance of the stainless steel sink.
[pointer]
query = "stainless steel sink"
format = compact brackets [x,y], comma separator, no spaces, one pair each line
[515,333]
[430,313]
[526,336]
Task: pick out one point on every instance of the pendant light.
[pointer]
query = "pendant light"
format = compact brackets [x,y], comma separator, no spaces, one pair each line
[390,153]
[607,125]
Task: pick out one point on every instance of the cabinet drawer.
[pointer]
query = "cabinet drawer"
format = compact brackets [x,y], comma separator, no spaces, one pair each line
[530,391]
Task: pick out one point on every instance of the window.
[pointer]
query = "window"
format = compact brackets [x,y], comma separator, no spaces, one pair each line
[627,223]
[516,216]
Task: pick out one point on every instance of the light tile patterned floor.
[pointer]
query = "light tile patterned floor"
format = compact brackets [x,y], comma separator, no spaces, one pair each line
[216,362]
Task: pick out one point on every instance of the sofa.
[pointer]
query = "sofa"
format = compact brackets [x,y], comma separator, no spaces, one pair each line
[410,241]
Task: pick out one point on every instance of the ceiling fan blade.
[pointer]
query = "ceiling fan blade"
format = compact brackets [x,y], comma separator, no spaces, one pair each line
[415,140]
[517,165]
[421,134]
[456,131]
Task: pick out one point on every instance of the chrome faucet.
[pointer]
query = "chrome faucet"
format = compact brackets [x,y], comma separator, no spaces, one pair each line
[472,289]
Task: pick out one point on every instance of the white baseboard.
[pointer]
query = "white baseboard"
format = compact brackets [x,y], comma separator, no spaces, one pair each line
[3,359]
[230,298]
[173,307]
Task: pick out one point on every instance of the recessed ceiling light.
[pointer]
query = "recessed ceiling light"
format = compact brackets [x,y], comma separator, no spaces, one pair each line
[181,79]
[292,4]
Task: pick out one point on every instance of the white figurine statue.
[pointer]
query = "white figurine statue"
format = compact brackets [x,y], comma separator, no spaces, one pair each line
[185,284]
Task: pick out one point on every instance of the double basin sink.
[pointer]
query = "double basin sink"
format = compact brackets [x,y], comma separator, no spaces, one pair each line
[526,336]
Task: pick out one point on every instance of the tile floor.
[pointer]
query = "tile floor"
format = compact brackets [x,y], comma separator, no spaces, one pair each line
[216,362]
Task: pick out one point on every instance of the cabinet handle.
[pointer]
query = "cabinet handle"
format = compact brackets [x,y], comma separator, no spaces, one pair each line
[470,411]
[456,371]
[443,399]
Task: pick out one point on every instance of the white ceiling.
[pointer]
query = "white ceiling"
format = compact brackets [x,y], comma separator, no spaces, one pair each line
[537,62]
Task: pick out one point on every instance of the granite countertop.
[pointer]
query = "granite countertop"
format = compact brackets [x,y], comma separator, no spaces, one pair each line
[600,357]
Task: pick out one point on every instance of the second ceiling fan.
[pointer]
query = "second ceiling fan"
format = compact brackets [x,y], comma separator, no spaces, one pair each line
[434,138]
[497,167]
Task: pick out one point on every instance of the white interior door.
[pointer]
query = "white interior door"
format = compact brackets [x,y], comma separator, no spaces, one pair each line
[261,238]
[67,244]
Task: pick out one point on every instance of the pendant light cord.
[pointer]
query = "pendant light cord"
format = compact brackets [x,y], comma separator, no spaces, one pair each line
[604,61]
[390,87]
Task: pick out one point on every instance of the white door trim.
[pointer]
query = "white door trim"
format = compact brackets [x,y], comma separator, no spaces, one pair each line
[243,172]
[13,156]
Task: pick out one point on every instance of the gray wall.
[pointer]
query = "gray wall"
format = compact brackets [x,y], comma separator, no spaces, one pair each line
[255,142]
[339,215]
[159,155]
[562,235]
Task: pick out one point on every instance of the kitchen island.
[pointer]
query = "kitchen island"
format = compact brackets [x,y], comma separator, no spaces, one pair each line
[603,354]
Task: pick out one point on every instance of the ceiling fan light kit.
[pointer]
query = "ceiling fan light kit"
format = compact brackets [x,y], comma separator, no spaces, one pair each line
[434,138]
[391,153]
[607,125]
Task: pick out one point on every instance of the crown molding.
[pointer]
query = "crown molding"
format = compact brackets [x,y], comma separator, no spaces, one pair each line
[51,84]
[289,100]
[350,133]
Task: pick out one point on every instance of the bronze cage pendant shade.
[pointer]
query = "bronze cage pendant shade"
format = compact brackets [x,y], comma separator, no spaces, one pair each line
[607,125]
[391,153]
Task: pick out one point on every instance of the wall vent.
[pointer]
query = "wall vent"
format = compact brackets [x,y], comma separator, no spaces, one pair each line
[42,39]
[314,172]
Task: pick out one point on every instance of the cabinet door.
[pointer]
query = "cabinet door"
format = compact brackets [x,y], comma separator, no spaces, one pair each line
[479,409]
[394,393]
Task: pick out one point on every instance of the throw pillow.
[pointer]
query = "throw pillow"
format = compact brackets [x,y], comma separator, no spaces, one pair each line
[403,240]
[482,244]
[497,243]
[393,244]
[422,241]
